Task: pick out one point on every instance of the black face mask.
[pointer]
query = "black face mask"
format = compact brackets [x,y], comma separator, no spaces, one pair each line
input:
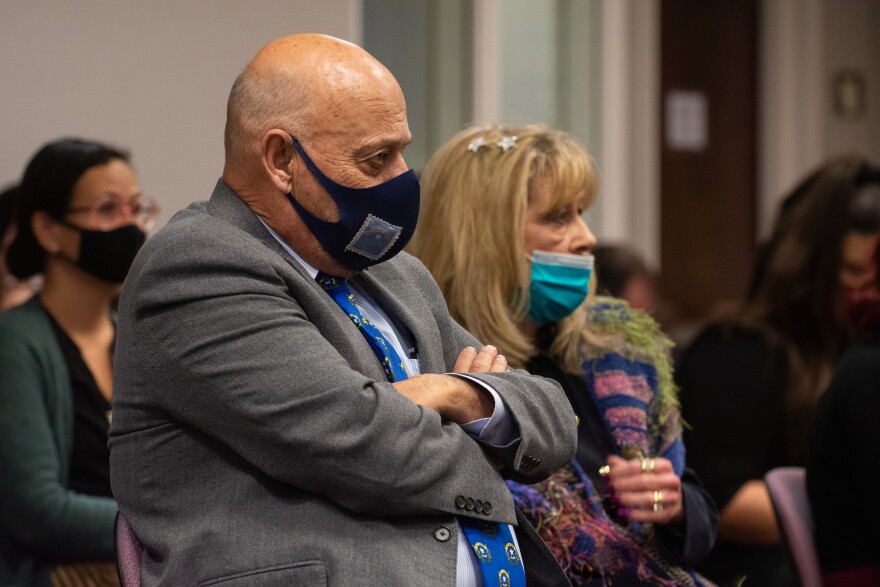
[375,223]
[108,254]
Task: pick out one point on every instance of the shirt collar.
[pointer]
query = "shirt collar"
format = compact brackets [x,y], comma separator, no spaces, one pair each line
[309,269]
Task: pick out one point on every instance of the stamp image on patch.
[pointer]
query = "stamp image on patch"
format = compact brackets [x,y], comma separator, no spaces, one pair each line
[374,238]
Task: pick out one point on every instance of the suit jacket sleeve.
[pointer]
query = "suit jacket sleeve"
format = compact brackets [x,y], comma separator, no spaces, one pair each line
[229,340]
[538,405]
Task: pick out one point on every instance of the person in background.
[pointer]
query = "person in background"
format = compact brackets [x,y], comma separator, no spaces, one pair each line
[621,273]
[845,436]
[12,290]
[80,220]
[502,232]
[750,381]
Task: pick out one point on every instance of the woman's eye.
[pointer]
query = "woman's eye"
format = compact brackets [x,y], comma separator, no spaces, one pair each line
[558,217]
[107,208]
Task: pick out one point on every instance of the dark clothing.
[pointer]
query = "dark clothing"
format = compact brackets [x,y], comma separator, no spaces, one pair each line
[687,545]
[36,443]
[90,458]
[733,383]
[842,478]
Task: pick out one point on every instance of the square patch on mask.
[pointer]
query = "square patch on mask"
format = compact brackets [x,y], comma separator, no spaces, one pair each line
[374,238]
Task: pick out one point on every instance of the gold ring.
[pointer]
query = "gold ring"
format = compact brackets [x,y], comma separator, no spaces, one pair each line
[658,497]
[604,470]
[647,466]
[658,507]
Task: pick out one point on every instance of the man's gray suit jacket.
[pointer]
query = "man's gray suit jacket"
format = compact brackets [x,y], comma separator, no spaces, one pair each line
[257,441]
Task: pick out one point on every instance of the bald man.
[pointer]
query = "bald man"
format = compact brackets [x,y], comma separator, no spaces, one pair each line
[293,403]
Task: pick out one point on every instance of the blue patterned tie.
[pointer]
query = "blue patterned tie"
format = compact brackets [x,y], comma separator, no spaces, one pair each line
[341,294]
[492,542]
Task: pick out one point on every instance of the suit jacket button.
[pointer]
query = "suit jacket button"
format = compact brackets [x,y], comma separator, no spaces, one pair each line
[487,508]
[469,505]
[460,502]
[442,534]
[478,506]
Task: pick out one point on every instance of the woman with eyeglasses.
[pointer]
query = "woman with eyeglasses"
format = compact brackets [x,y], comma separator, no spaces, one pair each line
[81,218]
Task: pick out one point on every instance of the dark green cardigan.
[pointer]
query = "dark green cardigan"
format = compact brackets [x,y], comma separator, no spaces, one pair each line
[41,520]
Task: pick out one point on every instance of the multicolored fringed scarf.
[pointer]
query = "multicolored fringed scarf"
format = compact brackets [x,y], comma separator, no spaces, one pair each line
[629,377]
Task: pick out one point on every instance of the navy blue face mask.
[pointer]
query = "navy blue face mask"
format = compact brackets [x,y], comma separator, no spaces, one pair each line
[375,223]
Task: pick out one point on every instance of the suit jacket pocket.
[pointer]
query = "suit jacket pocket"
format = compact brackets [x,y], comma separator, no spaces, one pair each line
[302,574]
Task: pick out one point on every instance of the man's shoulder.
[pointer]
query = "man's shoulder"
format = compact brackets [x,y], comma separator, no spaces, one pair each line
[194,227]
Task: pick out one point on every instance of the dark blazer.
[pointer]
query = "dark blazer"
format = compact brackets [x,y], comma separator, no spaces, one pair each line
[257,441]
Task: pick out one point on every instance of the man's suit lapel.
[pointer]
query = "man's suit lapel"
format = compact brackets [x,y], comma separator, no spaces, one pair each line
[336,326]
[226,205]
[397,299]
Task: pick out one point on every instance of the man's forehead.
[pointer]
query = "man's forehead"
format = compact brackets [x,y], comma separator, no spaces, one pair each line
[364,121]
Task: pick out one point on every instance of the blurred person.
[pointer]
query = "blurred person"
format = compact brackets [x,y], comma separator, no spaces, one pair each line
[502,232]
[293,403]
[750,381]
[844,437]
[12,290]
[621,273]
[80,220]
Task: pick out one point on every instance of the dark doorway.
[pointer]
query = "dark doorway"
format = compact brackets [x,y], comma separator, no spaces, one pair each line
[708,152]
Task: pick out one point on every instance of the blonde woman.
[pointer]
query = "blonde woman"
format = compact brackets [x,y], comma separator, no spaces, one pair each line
[501,229]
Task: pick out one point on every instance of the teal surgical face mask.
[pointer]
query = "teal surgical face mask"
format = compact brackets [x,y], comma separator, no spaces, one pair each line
[560,283]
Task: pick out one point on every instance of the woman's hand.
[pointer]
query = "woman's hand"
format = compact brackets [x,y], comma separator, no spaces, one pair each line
[645,490]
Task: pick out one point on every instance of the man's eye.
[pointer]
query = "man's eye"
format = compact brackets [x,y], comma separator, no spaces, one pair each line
[380,158]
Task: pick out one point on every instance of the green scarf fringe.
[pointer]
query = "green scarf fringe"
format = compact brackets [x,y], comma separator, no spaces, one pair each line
[615,327]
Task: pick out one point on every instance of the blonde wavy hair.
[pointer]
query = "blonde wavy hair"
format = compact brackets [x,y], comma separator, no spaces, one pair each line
[472,224]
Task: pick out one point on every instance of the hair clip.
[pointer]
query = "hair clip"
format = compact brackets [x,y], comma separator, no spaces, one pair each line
[477,144]
[507,143]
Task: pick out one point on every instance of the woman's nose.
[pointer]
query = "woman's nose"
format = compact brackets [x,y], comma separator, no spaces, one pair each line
[583,239]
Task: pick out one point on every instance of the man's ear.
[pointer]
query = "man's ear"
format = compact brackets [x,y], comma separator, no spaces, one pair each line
[45,230]
[277,151]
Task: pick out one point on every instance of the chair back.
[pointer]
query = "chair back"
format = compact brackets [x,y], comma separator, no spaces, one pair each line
[788,492]
[128,553]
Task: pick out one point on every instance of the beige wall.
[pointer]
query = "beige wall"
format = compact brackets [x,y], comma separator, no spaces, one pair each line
[149,76]
[804,44]
[854,45]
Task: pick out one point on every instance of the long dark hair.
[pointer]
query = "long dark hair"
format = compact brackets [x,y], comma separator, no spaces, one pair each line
[797,299]
[47,185]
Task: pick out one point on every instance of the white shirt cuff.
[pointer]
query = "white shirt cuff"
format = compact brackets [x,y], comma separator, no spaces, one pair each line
[497,430]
